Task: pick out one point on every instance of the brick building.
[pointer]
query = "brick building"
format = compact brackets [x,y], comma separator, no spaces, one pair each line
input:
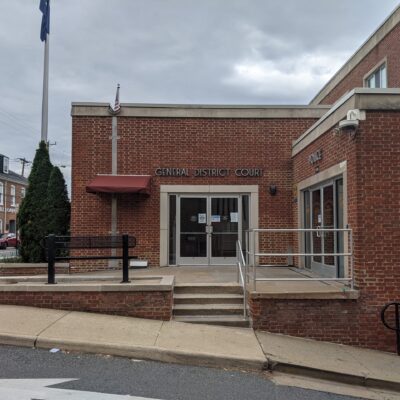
[12,191]
[188,181]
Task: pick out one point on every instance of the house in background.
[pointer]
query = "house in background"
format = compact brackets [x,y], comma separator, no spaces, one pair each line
[12,191]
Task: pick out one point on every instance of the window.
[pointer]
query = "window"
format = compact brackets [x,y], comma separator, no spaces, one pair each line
[1,226]
[378,79]
[5,165]
[1,193]
[23,192]
[12,196]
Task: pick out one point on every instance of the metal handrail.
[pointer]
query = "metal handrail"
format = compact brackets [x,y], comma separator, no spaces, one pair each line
[242,275]
[253,254]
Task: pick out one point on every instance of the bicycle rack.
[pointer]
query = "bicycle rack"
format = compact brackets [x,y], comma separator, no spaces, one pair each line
[396,328]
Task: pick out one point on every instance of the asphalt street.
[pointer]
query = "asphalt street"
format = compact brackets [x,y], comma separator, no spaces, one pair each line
[120,376]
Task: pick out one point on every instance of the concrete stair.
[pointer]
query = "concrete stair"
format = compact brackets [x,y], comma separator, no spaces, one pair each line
[214,304]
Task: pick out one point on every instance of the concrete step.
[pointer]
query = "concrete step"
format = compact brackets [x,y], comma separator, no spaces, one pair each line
[207,288]
[207,309]
[224,320]
[208,298]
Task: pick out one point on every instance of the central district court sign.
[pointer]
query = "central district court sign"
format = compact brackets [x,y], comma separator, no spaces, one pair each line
[209,172]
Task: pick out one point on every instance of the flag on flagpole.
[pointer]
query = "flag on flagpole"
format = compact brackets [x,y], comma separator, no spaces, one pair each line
[117,105]
[44,7]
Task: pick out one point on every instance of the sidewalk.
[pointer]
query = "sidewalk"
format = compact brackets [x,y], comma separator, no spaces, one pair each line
[196,344]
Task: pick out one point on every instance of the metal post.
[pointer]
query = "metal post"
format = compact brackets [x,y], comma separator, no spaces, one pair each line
[397,322]
[350,233]
[237,261]
[246,238]
[45,98]
[254,260]
[125,259]
[396,326]
[51,259]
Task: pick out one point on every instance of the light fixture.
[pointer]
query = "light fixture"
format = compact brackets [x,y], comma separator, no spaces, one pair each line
[272,190]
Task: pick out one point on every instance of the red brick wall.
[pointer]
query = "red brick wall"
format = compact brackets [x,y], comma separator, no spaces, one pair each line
[153,305]
[389,47]
[339,321]
[148,143]
[9,270]
[373,171]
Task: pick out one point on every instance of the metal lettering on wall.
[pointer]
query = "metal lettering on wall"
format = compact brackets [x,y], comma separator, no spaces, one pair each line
[209,172]
[314,157]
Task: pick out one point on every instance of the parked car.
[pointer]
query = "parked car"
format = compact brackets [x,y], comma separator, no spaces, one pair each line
[8,240]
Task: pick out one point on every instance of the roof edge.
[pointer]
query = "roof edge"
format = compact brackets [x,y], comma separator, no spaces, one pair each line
[200,110]
[358,98]
[373,40]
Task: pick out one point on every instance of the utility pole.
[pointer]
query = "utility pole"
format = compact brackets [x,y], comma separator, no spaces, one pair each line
[24,162]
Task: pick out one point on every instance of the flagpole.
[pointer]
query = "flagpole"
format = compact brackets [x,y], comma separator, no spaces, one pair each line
[45,98]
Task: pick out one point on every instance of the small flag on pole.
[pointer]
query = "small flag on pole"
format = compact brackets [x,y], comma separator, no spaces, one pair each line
[44,7]
[117,106]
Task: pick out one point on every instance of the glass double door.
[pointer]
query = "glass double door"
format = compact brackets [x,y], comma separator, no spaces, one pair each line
[324,210]
[208,229]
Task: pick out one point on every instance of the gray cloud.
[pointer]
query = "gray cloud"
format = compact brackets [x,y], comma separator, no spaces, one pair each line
[175,51]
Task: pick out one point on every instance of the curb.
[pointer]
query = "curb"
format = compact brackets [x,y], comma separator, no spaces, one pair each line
[359,380]
[17,340]
[155,354]
[195,358]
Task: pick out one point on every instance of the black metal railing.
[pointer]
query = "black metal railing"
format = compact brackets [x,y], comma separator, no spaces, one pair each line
[58,249]
[396,321]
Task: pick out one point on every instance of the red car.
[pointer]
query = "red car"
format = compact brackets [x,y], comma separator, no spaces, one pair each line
[8,240]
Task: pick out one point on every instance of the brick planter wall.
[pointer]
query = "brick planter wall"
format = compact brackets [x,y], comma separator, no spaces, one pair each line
[27,270]
[144,304]
[340,321]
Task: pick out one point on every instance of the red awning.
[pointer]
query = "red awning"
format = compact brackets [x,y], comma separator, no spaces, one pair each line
[120,184]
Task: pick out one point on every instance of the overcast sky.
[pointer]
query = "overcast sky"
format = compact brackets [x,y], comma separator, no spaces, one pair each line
[169,51]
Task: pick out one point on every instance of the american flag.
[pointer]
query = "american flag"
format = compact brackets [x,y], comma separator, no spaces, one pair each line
[117,105]
[44,7]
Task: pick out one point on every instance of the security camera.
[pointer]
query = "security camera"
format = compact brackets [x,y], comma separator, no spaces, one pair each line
[349,124]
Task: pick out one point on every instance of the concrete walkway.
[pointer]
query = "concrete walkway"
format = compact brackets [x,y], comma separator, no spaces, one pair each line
[196,344]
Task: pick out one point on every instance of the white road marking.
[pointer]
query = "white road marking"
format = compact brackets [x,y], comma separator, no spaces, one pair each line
[37,389]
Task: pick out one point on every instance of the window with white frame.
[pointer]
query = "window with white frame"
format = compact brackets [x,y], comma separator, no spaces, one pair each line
[378,78]
[12,196]
[1,193]
[23,192]
[5,165]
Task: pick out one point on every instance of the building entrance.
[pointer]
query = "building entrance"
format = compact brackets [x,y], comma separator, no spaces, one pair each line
[323,208]
[208,227]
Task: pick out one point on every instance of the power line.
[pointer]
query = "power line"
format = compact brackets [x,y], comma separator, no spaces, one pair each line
[17,119]
[24,162]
